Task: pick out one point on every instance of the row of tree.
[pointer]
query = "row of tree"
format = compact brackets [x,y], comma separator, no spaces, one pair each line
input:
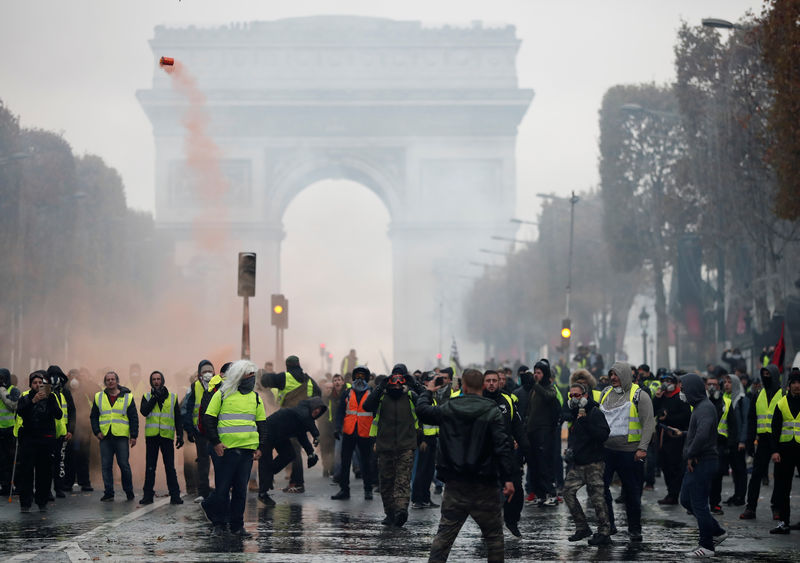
[76,261]
[699,185]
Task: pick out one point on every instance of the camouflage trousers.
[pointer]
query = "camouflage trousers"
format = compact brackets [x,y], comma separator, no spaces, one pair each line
[460,500]
[590,475]
[394,479]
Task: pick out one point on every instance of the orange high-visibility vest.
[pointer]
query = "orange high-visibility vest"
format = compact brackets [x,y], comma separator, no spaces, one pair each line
[356,415]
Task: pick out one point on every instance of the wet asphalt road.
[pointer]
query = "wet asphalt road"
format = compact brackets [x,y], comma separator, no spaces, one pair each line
[311,527]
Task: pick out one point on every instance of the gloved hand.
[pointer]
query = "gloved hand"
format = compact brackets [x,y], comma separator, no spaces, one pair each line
[337,435]
[179,443]
[315,442]
[190,436]
[312,460]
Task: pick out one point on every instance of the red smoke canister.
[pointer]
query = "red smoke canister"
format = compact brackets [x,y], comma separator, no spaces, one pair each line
[167,61]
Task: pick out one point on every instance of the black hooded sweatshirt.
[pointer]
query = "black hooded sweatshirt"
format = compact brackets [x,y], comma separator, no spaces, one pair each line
[295,422]
[772,385]
[701,439]
[588,434]
[543,406]
[38,419]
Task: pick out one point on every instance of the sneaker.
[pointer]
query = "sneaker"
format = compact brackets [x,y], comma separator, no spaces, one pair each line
[24,508]
[199,499]
[417,505]
[368,494]
[241,533]
[432,504]
[514,529]
[400,518]
[781,528]
[146,500]
[700,552]
[580,534]
[599,539]
[87,489]
[531,497]
[341,495]
[176,500]
[716,510]
[295,489]
[720,538]
[551,501]
[748,514]
[107,498]
[130,496]
[668,501]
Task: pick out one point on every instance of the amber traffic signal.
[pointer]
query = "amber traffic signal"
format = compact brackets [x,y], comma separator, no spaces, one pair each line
[280,311]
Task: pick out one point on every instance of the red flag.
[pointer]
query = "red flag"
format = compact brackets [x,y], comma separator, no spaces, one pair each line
[780,351]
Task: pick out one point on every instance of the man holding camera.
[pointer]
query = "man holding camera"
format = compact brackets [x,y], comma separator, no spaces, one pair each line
[38,412]
[394,428]
[585,455]
[353,424]
[162,415]
[115,422]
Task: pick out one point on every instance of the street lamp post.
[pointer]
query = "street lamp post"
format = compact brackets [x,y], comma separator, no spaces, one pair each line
[644,320]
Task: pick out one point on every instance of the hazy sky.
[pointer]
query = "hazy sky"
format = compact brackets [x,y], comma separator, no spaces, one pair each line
[74,66]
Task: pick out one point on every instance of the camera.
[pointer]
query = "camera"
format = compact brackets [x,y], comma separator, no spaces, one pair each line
[438,381]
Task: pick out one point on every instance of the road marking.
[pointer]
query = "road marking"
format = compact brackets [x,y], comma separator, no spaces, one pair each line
[71,546]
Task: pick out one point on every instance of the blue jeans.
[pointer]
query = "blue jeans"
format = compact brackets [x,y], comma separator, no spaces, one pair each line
[695,490]
[111,446]
[226,503]
[631,474]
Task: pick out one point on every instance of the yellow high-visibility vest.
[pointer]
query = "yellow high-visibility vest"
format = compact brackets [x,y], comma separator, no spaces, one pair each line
[790,429]
[765,411]
[161,420]
[290,385]
[430,429]
[61,423]
[18,418]
[113,417]
[237,415]
[722,427]
[6,414]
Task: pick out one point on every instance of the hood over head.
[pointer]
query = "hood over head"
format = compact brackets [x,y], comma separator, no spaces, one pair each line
[5,377]
[203,363]
[583,376]
[55,373]
[544,365]
[693,388]
[163,379]
[774,380]
[624,373]
[737,389]
[312,403]
[400,369]
[522,369]
[292,362]
[361,370]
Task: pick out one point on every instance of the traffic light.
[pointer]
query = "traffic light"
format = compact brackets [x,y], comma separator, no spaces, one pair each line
[566,333]
[247,274]
[280,311]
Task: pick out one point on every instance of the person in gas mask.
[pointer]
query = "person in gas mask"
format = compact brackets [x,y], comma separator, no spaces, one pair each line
[395,429]
[65,427]
[353,424]
[283,427]
[162,423]
[673,414]
[9,395]
[588,432]
[38,413]
[205,372]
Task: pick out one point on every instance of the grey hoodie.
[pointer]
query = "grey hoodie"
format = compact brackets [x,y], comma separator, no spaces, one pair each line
[645,407]
[740,403]
[701,439]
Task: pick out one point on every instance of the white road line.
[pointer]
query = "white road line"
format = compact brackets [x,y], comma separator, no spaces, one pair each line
[71,546]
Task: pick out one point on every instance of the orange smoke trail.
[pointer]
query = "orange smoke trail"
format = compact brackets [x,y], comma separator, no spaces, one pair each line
[202,160]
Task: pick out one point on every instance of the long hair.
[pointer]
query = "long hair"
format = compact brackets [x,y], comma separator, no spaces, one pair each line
[234,375]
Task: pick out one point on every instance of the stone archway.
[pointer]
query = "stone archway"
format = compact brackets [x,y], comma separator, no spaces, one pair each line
[425,118]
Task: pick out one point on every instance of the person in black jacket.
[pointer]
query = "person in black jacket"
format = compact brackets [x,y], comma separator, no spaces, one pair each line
[512,508]
[585,453]
[39,409]
[474,449]
[542,425]
[282,426]
[672,414]
[785,446]
[58,379]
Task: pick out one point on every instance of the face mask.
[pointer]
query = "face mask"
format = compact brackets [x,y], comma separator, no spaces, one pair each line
[395,393]
[714,393]
[74,384]
[578,403]
[207,376]
[618,390]
[670,387]
[359,385]
[247,385]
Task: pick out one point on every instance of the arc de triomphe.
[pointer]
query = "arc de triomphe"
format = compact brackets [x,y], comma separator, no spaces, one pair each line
[424,117]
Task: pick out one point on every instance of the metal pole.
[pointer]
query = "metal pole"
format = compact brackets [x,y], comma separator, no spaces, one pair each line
[572,201]
[246,329]
[644,346]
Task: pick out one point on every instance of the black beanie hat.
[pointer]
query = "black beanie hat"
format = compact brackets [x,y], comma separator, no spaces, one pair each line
[292,362]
